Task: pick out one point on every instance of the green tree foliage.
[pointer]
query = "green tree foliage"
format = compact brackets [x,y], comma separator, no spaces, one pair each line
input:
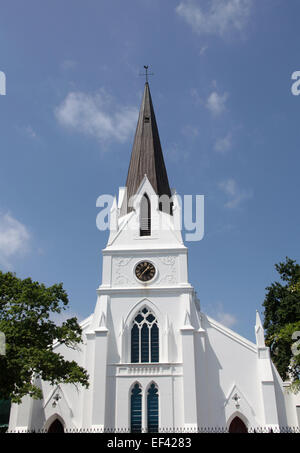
[282,321]
[25,310]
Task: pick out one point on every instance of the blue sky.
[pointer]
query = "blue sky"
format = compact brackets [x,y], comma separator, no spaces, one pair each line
[228,123]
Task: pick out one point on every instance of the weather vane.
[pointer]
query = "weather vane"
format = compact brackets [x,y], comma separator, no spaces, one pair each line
[146,74]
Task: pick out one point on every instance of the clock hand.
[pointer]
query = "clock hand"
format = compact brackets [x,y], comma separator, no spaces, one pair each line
[144,270]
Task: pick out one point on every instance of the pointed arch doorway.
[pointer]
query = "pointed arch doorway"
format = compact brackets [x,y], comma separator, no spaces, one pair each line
[237,426]
[56,427]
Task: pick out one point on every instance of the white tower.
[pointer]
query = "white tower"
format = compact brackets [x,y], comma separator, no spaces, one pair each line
[141,327]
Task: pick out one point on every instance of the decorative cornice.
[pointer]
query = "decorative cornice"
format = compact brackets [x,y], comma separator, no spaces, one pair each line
[137,252]
[145,291]
[145,369]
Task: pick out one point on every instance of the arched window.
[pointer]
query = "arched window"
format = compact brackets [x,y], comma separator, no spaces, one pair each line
[136,409]
[145,216]
[152,409]
[144,338]
[237,426]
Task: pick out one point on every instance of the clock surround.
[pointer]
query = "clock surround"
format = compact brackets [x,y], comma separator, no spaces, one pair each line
[145,271]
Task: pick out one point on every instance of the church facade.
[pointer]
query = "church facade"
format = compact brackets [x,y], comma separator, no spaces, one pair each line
[156,362]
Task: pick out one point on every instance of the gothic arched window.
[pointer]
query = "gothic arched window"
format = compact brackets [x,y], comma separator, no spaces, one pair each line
[136,409]
[145,216]
[144,338]
[152,409]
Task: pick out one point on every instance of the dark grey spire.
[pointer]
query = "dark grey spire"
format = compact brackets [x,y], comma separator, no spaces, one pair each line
[146,156]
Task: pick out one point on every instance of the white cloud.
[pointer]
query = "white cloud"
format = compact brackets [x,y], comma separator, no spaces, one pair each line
[63,316]
[203,50]
[68,64]
[229,187]
[224,144]
[190,131]
[226,319]
[221,17]
[30,132]
[219,314]
[196,97]
[14,239]
[234,193]
[97,116]
[175,153]
[216,103]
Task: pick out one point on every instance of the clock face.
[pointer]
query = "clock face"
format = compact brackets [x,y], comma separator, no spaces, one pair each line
[145,271]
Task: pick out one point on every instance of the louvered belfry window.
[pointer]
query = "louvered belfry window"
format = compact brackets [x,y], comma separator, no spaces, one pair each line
[145,338]
[152,409]
[136,409]
[145,216]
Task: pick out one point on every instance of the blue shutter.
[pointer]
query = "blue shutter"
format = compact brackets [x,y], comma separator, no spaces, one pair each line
[136,409]
[152,409]
[154,343]
[135,344]
[145,344]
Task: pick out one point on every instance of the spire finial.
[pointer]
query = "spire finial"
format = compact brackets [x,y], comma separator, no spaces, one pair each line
[147,74]
[259,332]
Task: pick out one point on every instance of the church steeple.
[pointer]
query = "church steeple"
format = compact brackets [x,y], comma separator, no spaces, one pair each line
[146,156]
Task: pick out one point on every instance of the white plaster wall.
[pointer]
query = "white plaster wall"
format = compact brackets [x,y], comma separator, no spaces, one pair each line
[229,361]
[292,401]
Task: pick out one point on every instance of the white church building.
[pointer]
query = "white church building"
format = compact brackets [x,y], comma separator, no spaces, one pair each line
[155,361]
